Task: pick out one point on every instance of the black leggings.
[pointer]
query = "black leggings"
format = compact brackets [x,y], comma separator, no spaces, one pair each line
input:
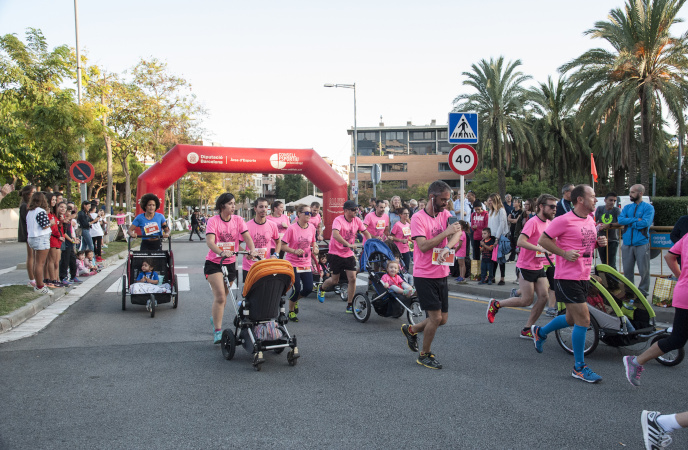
[303,285]
[97,245]
[679,335]
[502,268]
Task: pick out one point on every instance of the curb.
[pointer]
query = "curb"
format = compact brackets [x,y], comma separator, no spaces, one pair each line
[21,315]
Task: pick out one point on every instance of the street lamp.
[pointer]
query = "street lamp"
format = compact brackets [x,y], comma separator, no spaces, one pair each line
[351,86]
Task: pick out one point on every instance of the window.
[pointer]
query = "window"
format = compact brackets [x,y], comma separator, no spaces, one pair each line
[423,135]
[394,135]
[442,135]
[362,168]
[443,167]
[394,167]
[445,147]
[425,148]
[367,136]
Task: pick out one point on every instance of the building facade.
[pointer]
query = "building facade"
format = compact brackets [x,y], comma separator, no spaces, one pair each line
[409,155]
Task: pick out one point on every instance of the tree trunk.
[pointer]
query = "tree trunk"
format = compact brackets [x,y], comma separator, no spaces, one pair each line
[562,166]
[619,181]
[127,184]
[646,135]
[178,186]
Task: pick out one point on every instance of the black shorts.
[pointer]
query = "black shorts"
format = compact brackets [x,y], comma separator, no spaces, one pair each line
[550,277]
[339,264]
[571,291]
[433,293]
[212,267]
[532,275]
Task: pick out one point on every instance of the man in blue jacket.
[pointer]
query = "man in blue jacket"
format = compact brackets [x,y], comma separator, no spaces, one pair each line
[637,218]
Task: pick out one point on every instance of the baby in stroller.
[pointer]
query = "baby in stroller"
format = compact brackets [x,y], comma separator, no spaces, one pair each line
[392,281]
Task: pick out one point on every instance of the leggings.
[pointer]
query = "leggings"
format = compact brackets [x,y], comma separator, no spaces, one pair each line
[303,285]
[406,257]
[97,245]
[502,268]
[679,335]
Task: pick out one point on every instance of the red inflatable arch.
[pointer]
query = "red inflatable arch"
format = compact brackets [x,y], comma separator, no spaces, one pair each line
[195,158]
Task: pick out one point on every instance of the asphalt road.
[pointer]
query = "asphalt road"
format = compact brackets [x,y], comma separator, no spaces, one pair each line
[100,377]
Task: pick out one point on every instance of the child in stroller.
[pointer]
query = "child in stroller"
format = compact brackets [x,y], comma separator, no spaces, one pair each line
[392,281]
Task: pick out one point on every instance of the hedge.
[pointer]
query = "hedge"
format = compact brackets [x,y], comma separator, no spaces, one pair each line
[12,200]
[669,209]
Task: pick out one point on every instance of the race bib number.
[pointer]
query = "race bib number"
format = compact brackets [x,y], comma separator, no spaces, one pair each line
[226,246]
[448,260]
[539,254]
[380,225]
[261,252]
[151,228]
[303,269]
[406,231]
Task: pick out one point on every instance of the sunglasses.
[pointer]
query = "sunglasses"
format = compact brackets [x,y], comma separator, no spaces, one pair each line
[352,209]
[551,206]
[308,213]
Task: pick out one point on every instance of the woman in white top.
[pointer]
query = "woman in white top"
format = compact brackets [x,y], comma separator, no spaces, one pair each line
[498,225]
[38,237]
[96,234]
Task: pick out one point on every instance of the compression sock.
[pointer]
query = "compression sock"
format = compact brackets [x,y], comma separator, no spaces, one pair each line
[578,344]
[557,323]
[668,422]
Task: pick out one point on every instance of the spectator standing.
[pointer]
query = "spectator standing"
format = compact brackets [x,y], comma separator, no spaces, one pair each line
[606,216]
[479,219]
[508,204]
[564,205]
[22,234]
[515,226]
[68,257]
[96,233]
[195,225]
[413,206]
[84,220]
[499,226]
[38,237]
[637,218]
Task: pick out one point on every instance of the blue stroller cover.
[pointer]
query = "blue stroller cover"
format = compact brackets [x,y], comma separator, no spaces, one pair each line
[374,246]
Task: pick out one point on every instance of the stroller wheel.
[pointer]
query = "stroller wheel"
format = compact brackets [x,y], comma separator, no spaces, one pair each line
[361,306]
[292,357]
[228,344]
[671,358]
[592,337]
[258,361]
[124,292]
[344,291]
[417,313]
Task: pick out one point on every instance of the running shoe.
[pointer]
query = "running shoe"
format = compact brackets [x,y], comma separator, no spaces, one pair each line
[458,279]
[538,340]
[76,280]
[514,292]
[217,336]
[321,295]
[293,317]
[296,307]
[66,282]
[526,334]
[501,283]
[492,310]
[654,435]
[633,370]
[551,312]
[44,290]
[105,246]
[349,309]
[31,283]
[411,339]
[585,374]
[428,360]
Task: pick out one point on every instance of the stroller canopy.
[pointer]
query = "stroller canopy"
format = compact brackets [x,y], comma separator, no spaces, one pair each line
[374,246]
[267,267]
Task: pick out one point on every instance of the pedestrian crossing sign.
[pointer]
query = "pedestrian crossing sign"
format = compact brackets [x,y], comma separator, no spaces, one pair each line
[463,128]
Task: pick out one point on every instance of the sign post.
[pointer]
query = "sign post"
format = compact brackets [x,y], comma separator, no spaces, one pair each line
[375,175]
[82,171]
[463,159]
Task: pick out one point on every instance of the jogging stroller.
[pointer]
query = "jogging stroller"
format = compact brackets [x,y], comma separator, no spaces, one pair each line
[260,320]
[374,260]
[620,316]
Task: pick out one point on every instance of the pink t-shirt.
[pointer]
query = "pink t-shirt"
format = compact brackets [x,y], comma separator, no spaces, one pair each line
[396,281]
[680,299]
[422,225]
[402,231]
[528,259]
[348,231]
[263,236]
[315,221]
[375,225]
[461,251]
[573,233]
[279,221]
[303,238]
[227,235]
[120,219]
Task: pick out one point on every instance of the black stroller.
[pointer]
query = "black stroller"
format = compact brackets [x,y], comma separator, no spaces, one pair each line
[386,303]
[260,320]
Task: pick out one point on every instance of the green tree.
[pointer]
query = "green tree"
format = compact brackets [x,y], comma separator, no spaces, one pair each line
[290,187]
[647,66]
[500,101]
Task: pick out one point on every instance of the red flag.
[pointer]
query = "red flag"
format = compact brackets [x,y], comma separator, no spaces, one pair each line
[593,169]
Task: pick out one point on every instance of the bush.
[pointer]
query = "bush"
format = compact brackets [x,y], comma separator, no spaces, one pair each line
[12,200]
[669,209]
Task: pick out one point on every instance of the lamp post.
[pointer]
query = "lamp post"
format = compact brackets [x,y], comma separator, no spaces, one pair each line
[78,90]
[351,86]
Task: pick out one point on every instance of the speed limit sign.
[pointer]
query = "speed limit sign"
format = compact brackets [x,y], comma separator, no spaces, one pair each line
[463,159]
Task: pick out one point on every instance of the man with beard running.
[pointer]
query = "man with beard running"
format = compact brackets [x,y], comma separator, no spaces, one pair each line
[531,261]
[572,238]
[434,238]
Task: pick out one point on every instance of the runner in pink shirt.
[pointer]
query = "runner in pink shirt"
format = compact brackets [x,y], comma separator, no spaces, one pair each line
[433,235]
[223,234]
[572,238]
[299,243]
[377,222]
[316,220]
[401,235]
[280,219]
[266,240]
[340,255]
[679,332]
[531,260]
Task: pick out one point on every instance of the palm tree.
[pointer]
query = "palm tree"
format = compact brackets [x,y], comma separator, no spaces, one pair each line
[499,101]
[648,66]
[558,131]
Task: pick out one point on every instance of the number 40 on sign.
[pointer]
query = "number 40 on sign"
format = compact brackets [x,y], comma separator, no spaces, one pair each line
[463,159]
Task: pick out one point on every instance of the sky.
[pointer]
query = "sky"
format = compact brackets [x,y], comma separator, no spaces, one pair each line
[259,67]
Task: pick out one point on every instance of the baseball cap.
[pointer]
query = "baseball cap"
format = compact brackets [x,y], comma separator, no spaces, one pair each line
[350,204]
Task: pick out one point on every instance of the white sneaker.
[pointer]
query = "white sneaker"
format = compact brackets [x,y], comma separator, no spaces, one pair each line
[44,290]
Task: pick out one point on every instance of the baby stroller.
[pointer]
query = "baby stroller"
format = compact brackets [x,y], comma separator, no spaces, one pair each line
[619,316]
[260,320]
[374,259]
[341,288]
[163,264]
